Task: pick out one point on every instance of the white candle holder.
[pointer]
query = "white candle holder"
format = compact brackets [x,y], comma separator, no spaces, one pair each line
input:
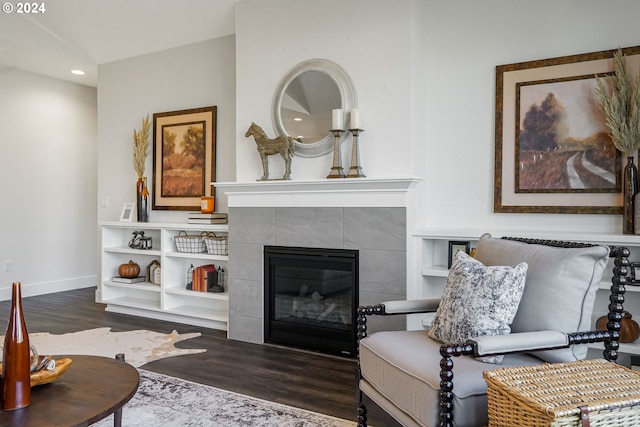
[355,171]
[336,170]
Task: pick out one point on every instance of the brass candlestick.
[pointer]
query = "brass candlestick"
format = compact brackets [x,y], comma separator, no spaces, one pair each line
[336,170]
[355,171]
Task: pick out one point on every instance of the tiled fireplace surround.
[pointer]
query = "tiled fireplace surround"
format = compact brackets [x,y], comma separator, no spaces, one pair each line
[363,214]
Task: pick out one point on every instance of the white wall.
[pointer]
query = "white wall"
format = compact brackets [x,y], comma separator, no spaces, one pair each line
[465,41]
[47,170]
[424,72]
[192,76]
[369,39]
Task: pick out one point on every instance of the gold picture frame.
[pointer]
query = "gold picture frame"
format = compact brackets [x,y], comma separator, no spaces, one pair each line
[572,77]
[184,158]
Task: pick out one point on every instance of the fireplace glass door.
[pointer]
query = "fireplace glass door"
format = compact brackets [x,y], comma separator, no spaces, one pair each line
[311,296]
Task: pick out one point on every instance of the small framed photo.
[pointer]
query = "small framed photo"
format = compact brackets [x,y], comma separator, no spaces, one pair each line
[127,212]
[635,273]
[455,246]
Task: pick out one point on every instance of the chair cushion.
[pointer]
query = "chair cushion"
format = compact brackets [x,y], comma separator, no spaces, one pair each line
[560,288]
[478,300]
[407,382]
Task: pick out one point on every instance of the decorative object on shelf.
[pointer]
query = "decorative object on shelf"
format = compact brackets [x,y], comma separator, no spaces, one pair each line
[354,127]
[127,212]
[129,270]
[189,243]
[142,200]
[151,268]
[207,204]
[16,352]
[216,245]
[620,101]
[139,241]
[157,276]
[336,169]
[283,145]
[337,129]
[636,210]
[205,279]
[629,192]
[356,170]
[189,285]
[140,153]
[208,218]
[455,246]
[629,328]
[184,158]
[541,95]
[222,279]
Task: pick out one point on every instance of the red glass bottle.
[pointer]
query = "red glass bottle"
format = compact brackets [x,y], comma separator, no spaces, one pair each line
[16,360]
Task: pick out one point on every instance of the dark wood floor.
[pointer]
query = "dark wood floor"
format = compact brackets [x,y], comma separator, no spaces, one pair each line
[305,380]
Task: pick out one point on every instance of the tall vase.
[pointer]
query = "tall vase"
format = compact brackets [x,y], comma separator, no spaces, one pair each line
[630,188]
[142,199]
[16,360]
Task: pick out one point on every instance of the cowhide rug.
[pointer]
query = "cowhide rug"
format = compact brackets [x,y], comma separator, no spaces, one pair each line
[139,346]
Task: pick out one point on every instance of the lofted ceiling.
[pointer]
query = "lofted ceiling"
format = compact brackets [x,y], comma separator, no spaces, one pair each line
[81,34]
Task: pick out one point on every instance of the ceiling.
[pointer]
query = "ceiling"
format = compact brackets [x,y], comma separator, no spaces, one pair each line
[81,34]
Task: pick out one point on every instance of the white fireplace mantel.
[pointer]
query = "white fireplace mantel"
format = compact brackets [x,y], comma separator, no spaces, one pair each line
[345,192]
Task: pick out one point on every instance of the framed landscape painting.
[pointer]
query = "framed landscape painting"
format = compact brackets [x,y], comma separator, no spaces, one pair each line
[184,158]
[553,152]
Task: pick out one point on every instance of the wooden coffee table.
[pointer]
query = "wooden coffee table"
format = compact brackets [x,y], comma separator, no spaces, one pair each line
[91,389]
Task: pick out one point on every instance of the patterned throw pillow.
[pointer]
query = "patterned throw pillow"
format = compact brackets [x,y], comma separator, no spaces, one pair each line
[478,300]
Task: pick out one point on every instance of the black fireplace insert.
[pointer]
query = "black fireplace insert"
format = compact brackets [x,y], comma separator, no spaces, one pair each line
[311,295]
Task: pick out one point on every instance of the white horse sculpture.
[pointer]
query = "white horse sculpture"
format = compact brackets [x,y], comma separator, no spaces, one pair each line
[283,145]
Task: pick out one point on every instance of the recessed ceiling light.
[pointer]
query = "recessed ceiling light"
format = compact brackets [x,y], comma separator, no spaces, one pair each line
[77,72]
[297,119]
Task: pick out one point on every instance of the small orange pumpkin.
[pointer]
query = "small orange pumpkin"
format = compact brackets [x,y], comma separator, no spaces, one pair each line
[129,270]
[629,329]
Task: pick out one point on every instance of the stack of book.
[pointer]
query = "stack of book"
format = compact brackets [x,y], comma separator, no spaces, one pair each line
[121,279]
[207,218]
[205,278]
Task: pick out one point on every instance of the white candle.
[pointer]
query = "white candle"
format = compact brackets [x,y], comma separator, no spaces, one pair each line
[355,119]
[337,119]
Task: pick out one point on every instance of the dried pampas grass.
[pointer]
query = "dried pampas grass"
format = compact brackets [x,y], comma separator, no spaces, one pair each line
[622,106]
[141,146]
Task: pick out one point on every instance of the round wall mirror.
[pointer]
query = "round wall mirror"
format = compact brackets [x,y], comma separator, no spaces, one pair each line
[304,101]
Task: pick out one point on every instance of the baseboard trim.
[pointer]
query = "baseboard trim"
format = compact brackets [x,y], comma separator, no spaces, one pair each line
[42,288]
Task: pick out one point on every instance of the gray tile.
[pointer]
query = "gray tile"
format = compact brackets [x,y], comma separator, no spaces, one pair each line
[252,225]
[245,261]
[310,227]
[246,298]
[247,329]
[375,228]
[383,271]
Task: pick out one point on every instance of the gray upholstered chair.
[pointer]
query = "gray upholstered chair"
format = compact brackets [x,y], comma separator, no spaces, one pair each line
[410,375]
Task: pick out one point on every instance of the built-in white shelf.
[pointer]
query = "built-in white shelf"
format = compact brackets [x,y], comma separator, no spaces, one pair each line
[432,246]
[170,300]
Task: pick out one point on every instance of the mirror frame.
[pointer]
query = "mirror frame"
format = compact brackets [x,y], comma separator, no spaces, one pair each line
[348,101]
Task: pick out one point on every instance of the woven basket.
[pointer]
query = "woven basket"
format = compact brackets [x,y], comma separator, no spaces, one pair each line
[216,245]
[189,244]
[553,394]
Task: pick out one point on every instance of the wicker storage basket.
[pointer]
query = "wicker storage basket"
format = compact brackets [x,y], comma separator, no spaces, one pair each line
[190,244]
[559,394]
[216,245]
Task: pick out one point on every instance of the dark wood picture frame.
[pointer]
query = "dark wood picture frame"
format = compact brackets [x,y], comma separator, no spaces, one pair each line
[184,158]
[559,73]
[455,246]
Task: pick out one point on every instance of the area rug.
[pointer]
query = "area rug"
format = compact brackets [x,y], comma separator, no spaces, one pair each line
[139,346]
[166,401]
